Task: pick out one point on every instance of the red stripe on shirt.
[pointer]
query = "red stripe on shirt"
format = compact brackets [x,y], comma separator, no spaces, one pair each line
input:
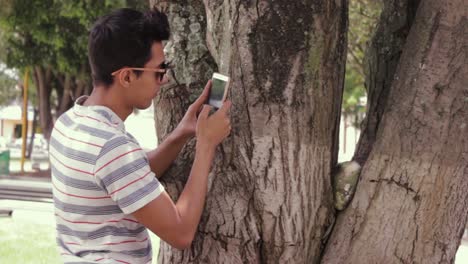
[79,196]
[78,139]
[112,244]
[116,158]
[71,168]
[125,242]
[96,223]
[130,183]
[121,261]
[95,119]
[130,220]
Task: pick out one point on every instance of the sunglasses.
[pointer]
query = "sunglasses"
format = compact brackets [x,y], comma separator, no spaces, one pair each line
[158,73]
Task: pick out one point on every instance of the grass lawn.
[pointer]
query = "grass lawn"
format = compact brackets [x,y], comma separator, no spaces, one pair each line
[24,240]
[29,237]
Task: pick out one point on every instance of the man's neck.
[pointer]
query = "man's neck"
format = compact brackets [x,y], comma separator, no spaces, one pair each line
[106,97]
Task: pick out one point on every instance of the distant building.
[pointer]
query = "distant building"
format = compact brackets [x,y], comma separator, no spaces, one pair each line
[11,121]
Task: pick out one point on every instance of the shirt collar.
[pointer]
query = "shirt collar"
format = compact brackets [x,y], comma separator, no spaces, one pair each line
[101,113]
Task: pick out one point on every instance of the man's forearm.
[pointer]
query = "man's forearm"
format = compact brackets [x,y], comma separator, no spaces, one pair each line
[192,199]
[164,155]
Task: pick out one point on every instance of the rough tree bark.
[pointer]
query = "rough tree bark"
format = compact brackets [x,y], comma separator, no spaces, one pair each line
[382,58]
[411,203]
[270,197]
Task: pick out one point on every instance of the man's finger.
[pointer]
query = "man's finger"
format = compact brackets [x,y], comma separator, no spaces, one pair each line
[205,112]
[203,96]
[200,108]
[226,106]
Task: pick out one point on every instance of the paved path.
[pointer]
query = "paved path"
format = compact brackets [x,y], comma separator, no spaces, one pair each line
[26,189]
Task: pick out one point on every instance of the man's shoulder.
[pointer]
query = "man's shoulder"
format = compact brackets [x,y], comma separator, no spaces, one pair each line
[88,136]
[122,142]
[88,124]
[120,156]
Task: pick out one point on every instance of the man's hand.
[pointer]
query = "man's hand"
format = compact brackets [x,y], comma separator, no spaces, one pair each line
[162,157]
[212,130]
[187,127]
[177,223]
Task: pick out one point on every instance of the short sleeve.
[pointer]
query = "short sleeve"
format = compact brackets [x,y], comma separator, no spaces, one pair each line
[122,169]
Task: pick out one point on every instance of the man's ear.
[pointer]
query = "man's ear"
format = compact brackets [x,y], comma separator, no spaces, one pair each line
[125,78]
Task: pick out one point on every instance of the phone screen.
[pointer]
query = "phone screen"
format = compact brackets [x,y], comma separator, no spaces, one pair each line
[217,92]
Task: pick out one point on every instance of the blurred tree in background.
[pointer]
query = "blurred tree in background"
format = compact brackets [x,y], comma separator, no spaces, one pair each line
[8,79]
[50,37]
[8,89]
[363,18]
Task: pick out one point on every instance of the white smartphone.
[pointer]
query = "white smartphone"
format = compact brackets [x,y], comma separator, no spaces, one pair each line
[219,90]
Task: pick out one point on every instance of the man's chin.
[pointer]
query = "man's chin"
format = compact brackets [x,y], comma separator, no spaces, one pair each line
[144,106]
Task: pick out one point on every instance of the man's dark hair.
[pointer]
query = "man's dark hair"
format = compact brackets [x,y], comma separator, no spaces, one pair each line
[124,38]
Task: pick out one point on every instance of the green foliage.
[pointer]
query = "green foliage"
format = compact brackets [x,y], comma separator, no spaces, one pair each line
[353,92]
[363,17]
[50,34]
[8,83]
[7,79]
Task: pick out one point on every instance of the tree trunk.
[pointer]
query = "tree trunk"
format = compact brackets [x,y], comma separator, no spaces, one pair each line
[65,102]
[270,196]
[80,87]
[42,80]
[410,205]
[382,58]
[82,84]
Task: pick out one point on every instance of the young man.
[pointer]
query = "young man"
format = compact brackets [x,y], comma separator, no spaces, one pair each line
[105,188]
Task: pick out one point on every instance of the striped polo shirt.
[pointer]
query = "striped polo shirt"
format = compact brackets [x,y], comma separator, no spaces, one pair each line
[100,176]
